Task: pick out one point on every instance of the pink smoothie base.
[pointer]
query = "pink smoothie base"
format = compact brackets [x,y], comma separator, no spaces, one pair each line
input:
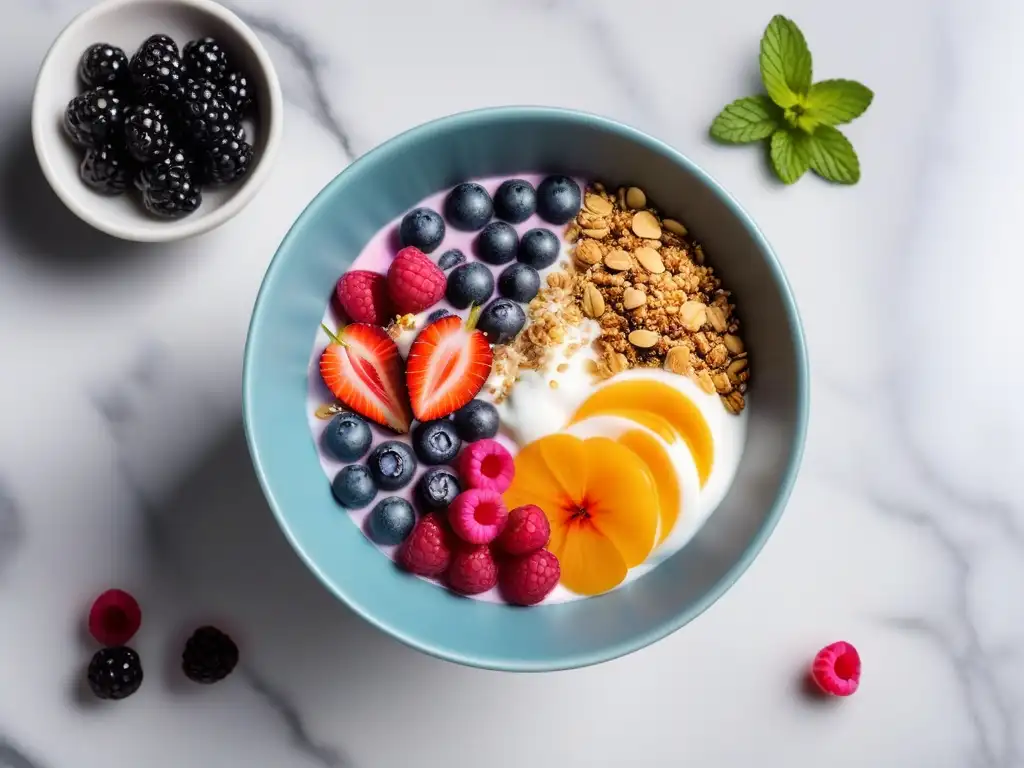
[376,256]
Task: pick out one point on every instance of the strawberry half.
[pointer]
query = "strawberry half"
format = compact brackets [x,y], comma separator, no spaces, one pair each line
[447,365]
[363,369]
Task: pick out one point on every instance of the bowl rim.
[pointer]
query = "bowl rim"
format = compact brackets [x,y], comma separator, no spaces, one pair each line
[729,578]
[192,225]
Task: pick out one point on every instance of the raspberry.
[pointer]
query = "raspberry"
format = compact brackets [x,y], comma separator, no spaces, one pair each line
[478,515]
[528,580]
[836,669]
[428,550]
[527,531]
[114,618]
[473,570]
[363,295]
[414,281]
[486,464]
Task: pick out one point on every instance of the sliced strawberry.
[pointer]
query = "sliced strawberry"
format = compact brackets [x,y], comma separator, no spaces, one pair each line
[447,365]
[363,369]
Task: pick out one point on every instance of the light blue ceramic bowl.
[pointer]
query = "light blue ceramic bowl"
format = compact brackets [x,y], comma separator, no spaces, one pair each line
[322,244]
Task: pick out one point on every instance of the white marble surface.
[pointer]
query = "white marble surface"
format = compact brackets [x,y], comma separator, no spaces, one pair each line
[122,460]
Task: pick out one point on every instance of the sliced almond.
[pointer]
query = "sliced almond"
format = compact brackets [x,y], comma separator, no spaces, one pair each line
[717,319]
[646,225]
[618,260]
[635,198]
[722,383]
[673,226]
[693,314]
[733,343]
[593,301]
[597,204]
[632,298]
[588,252]
[677,360]
[597,234]
[704,379]
[649,259]
[735,367]
[643,339]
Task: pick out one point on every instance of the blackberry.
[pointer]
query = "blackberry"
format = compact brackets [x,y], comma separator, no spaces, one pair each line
[103,64]
[95,118]
[163,42]
[227,160]
[205,115]
[209,656]
[147,133]
[168,187]
[158,73]
[205,58]
[115,673]
[107,169]
[237,92]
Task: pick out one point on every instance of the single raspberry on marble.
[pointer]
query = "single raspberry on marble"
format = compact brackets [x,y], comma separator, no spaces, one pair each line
[414,281]
[363,295]
[114,618]
[473,570]
[428,550]
[526,531]
[528,580]
[836,669]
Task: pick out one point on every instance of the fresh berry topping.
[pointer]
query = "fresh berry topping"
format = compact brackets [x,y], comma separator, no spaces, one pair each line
[147,133]
[209,656]
[205,114]
[363,296]
[353,486]
[160,42]
[363,369]
[205,58]
[168,187]
[451,258]
[347,437]
[515,201]
[476,420]
[435,441]
[114,618]
[468,284]
[115,673]
[448,364]
[468,207]
[437,314]
[478,515]
[539,248]
[237,93]
[428,550]
[392,465]
[437,488]
[421,228]
[497,243]
[391,521]
[414,281]
[519,282]
[107,170]
[487,464]
[472,570]
[502,320]
[558,199]
[103,64]
[527,531]
[95,118]
[158,74]
[836,669]
[228,158]
[529,579]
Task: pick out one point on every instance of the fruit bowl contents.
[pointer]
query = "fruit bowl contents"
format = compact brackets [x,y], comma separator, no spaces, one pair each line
[530,389]
[166,122]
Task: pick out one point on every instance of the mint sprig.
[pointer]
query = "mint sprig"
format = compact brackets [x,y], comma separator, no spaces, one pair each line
[799,117]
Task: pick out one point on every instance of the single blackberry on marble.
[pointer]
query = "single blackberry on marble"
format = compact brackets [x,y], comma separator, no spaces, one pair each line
[115,673]
[95,118]
[205,115]
[147,133]
[107,169]
[103,64]
[205,58]
[227,160]
[209,656]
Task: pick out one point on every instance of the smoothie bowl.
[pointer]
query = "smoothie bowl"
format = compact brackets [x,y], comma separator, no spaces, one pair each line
[525,388]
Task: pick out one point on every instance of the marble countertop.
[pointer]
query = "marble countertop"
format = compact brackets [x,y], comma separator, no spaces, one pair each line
[122,460]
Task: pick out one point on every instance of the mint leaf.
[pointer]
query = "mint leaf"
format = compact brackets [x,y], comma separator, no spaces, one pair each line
[749,119]
[834,102]
[832,156]
[790,155]
[785,62]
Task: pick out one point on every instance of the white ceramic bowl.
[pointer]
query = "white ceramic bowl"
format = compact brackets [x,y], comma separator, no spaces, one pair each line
[126,23]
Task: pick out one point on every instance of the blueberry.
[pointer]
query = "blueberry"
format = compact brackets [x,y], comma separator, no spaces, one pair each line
[498,243]
[392,465]
[437,489]
[476,420]
[435,441]
[501,321]
[451,258]
[348,437]
[468,207]
[539,248]
[437,314]
[471,283]
[519,282]
[353,487]
[422,228]
[391,521]
[515,201]
[558,199]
